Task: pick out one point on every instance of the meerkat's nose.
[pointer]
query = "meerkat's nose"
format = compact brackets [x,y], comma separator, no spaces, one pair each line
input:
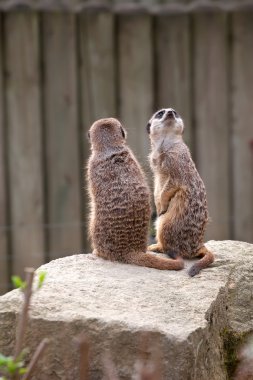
[171,114]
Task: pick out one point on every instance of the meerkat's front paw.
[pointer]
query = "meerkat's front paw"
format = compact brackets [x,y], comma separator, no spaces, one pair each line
[155,248]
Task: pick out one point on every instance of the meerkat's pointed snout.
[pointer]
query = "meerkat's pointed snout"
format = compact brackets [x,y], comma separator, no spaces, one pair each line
[171,114]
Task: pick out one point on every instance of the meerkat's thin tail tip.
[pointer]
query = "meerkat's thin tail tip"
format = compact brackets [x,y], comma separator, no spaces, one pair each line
[194,270]
[204,262]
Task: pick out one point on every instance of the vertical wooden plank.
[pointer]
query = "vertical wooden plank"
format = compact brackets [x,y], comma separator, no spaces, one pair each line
[211,110]
[242,150]
[3,192]
[62,136]
[24,139]
[136,95]
[97,70]
[173,68]
[97,66]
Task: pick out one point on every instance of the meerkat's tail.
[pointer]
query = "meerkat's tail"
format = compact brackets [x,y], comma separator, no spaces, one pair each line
[152,261]
[207,258]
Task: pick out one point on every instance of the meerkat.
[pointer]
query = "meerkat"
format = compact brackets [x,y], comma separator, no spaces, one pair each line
[179,192]
[119,200]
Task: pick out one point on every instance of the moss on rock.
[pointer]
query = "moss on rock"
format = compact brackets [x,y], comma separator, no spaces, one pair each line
[232,341]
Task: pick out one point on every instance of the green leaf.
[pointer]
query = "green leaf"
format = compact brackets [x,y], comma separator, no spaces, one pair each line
[3,360]
[22,371]
[41,276]
[18,282]
[11,367]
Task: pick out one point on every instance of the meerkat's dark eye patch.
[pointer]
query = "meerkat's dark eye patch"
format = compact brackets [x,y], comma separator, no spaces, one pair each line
[123,132]
[148,127]
[159,114]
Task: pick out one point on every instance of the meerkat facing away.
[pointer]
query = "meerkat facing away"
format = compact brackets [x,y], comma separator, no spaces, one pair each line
[119,200]
[179,192]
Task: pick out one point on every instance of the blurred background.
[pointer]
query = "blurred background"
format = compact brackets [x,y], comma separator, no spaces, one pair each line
[64,64]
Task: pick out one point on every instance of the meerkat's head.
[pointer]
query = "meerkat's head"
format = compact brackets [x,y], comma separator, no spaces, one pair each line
[165,123]
[106,134]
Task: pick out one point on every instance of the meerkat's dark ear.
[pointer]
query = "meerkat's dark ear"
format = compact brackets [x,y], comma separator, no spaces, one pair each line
[123,132]
[88,135]
[148,127]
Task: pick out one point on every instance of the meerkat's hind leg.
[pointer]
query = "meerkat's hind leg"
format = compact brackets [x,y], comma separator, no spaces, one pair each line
[207,258]
[155,248]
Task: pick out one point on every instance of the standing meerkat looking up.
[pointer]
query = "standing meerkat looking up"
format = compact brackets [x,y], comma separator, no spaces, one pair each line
[119,200]
[179,192]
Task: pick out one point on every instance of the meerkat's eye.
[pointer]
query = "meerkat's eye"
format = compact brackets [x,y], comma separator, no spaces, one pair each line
[148,127]
[123,132]
[159,114]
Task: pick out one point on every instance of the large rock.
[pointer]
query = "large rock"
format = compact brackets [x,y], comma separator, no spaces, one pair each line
[188,318]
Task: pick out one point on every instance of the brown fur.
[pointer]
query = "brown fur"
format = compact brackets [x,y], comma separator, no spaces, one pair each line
[180,194]
[119,200]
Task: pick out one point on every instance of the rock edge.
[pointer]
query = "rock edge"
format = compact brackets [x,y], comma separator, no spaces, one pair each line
[114,304]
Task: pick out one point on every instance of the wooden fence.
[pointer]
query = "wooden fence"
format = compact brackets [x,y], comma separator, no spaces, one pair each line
[61,71]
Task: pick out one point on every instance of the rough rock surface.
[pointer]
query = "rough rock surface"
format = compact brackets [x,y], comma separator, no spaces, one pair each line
[115,303]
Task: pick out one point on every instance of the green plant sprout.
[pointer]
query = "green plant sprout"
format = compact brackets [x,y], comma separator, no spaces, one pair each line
[41,278]
[13,367]
[20,284]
